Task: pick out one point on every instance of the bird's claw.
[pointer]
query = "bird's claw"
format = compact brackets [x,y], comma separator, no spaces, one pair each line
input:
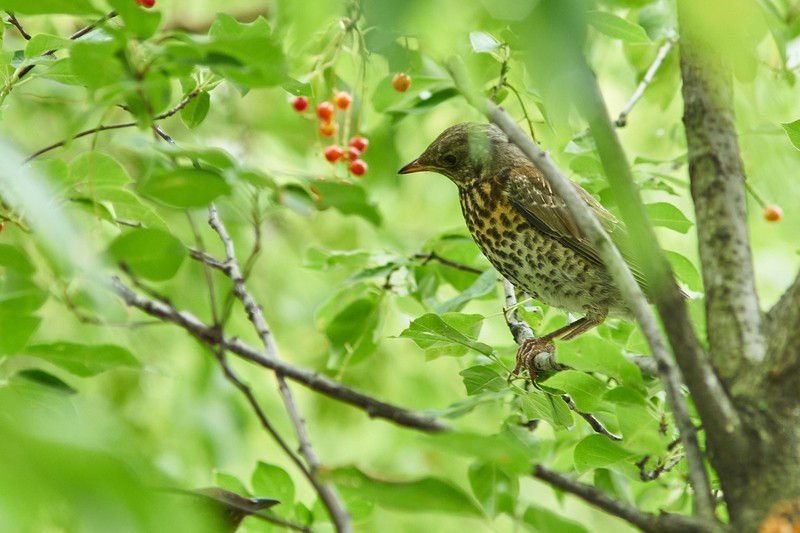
[526,354]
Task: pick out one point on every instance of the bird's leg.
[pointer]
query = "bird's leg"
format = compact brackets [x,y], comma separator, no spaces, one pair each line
[530,348]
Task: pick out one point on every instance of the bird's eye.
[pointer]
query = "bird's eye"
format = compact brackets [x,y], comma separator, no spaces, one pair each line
[449,160]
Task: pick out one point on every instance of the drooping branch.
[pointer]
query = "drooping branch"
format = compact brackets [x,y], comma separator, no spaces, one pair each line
[321,384]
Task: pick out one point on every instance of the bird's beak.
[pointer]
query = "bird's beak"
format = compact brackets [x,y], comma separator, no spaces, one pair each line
[414,166]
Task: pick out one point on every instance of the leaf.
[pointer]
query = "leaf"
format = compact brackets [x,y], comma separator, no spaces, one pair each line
[196,110]
[48,7]
[502,450]
[640,429]
[351,321]
[44,379]
[598,451]
[425,494]
[494,488]
[540,405]
[586,391]
[18,294]
[16,330]
[142,23]
[485,284]
[348,199]
[97,64]
[270,481]
[668,216]
[593,354]
[434,331]
[685,270]
[41,43]
[150,253]
[481,378]
[13,257]
[792,129]
[543,520]
[82,359]
[325,260]
[483,42]
[184,187]
[618,28]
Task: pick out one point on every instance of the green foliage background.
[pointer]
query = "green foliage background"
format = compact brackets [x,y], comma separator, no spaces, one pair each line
[99,408]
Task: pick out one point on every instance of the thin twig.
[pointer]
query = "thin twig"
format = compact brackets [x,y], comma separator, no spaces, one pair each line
[622,120]
[14,22]
[327,493]
[316,382]
[433,256]
[645,521]
[590,418]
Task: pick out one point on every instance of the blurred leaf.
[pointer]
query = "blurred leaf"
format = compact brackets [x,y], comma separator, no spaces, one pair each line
[43,7]
[44,379]
[82,359]
[668,216]
[325,260]
[196,110]
[483,42]
[270,481]
[481,378]
[544,520]
[426,494]
[349,199]
[539,405]
[494,488]
[586,391]
[685,270]
[150,253]
[41,43]
[502,449]
[12,257]
[141,22]
[792,129]
[641,432]
[184,187]
[432,331]
[617,27]
[598,451]
[18,294]
[351,321]
[97,64]
[16,330]
[485,284]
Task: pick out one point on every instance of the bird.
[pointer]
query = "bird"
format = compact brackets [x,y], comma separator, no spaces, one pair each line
[526,232]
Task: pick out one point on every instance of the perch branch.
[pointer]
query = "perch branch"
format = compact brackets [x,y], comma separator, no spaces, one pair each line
[622,120]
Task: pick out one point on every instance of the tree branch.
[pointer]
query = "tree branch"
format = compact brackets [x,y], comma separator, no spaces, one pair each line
[661,523]
[622,120]
[783,331]
[327,492]
[321,384]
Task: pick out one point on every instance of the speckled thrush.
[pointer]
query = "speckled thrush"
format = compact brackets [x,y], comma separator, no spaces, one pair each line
[524,229]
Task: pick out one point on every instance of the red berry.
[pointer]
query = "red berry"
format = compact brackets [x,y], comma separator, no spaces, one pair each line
[358,167]
[401,82]
[1,226]
[146,3]
[327,129]
[333,153]
[325,111]
[343,100]
[773,213]
[352,154]
[300,104]
[359,143]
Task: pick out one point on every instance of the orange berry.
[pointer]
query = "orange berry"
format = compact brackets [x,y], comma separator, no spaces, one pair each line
[300,104]
[327,129]
[773,213]
[358,167]
[359,143]
[325,111]
[401,82]
[342,100]
[333,153]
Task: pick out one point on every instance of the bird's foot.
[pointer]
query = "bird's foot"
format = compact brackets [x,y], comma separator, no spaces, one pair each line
[526,354]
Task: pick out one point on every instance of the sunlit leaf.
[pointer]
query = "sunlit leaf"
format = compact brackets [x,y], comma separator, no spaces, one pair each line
[83,359]
[617,27]
[598,451]
[486,283]
[270,481]
[196,110]
[184,187]
[434,331]
[349,199]
[668,216]
[586,391]
[483,42]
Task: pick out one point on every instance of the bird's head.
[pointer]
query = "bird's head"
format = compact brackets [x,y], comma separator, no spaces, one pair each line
[462,152]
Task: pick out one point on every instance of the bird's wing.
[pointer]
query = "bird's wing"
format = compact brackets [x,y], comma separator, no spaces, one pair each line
[532,196]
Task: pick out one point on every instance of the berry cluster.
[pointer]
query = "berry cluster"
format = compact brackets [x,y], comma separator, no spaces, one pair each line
[326,113]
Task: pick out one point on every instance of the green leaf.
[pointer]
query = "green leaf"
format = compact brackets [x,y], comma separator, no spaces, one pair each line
[668,216]
[13,257]
[18,294]
[184,187]
[495,489]
[426,494]
[97,64]
[685,270]
[49,7]
[792,129]
[544,520]
[140,22]
[325,260]
[540,405]
[82,359]
[43,379]
[503,449]
[485,284]
[348,199]
[150,253]
[41,43]
[598,451]
[593,354]
[196,110]
[481,378]
[16,330]
[270,481]
[351,321]
[483,42]
[586,391]
[432,331]
[617,27]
